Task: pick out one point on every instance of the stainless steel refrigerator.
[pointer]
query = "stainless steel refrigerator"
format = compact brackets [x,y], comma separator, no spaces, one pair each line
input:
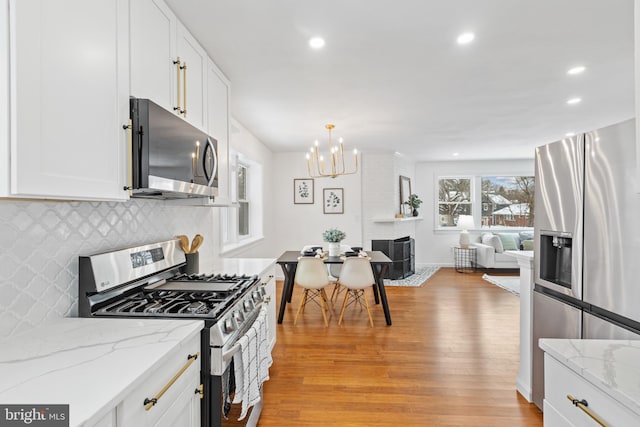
[587,241]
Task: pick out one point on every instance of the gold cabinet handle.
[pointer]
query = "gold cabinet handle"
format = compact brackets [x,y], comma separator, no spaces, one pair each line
[150,403]
[129,128]
[583,405]
[184,89]
[178,66]
[200,391]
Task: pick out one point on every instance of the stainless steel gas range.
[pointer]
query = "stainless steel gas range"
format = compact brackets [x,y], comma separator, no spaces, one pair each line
[149,281]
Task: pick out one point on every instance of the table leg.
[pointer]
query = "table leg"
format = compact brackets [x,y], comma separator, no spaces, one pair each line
[289,271]
[379,272]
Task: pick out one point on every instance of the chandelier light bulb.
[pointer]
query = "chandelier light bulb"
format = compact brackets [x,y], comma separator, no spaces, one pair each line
[308,156]
[355,151]
[316,142]
[340,140]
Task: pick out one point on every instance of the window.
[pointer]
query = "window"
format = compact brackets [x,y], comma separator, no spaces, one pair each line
[454,199]
[509,201]
[241,224]
[500,201]
[243,202]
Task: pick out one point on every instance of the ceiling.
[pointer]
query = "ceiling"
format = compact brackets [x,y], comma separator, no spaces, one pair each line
[392,77]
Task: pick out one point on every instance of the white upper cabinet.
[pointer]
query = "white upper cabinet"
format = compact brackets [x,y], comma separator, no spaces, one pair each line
[153,53]
[69,90]
[168,65]
[218,99]
[194,78]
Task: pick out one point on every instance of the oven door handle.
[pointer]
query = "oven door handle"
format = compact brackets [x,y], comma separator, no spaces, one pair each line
[227,355]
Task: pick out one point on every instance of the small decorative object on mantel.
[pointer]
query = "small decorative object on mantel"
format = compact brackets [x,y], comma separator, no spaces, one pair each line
[334,236]
[414,203]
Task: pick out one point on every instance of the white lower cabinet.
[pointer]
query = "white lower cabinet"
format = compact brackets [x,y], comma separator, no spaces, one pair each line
[109,420]
[69,99]
[560,382]
[178,403]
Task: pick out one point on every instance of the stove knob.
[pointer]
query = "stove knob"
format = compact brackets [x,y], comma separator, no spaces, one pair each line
[247,305]
[229,326]
[238,316]
[256,296]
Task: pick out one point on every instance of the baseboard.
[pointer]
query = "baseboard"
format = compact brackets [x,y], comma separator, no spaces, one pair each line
[524,390]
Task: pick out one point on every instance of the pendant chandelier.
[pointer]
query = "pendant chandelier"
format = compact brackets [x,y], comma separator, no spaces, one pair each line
[336,162]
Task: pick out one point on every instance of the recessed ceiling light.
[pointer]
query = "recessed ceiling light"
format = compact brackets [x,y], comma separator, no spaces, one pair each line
[570,134]
[316,42]
[574,101]
[465,38]
[456,154]
[576,70]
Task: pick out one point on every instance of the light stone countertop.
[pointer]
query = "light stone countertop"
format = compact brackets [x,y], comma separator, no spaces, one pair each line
[611,365]
[89,364]
[248,266]
[521,255]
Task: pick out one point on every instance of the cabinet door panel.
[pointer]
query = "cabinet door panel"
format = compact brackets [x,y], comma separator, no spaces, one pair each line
[69,98]
[194,56]
[153,50]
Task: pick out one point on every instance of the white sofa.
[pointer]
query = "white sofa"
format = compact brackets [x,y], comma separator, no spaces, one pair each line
[490,247]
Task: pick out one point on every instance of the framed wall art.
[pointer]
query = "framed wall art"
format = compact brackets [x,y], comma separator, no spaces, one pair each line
[333,200]
[303,191]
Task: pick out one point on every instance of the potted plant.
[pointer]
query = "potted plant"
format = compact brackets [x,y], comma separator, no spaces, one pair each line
[414,202]
[334,236]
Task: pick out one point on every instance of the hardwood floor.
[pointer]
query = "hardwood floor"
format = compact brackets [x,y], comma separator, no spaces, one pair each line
[450,358]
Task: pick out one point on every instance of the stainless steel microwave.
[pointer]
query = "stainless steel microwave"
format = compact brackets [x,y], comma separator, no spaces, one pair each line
[171,159]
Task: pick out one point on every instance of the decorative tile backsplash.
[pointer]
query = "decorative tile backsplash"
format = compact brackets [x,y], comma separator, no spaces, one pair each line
[40,243]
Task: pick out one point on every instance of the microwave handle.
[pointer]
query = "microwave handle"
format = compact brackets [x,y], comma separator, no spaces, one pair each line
[215,163]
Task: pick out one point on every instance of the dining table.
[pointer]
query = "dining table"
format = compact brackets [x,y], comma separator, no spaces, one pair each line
[379,264]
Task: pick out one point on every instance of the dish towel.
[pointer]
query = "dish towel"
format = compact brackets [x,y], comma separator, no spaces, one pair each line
[252,364]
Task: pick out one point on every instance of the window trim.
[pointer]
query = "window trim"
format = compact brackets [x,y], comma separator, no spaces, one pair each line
[471,202]
[231,240]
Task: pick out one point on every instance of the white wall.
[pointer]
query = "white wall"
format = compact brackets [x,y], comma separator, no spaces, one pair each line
[433,247]
[303,224]
[381,196]
[242,141]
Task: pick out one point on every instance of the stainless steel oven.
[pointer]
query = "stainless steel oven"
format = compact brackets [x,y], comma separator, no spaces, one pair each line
[150,281]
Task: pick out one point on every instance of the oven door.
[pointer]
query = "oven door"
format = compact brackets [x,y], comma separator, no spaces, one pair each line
[227,381]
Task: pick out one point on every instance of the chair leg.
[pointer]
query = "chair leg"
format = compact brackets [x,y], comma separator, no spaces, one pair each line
[344,305]
[323,301]
[303,303]
[323,294]
[336,291]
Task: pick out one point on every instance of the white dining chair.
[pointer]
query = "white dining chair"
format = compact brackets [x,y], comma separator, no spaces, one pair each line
[312,275]
[356,276]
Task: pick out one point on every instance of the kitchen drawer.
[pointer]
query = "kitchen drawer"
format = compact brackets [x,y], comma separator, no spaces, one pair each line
[553,418]
[561,381]
[132,412]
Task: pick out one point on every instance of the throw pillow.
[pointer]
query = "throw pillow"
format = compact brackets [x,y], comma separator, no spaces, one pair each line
[526,235]
[485,239]
[493,241]
[527,245]
[508,241]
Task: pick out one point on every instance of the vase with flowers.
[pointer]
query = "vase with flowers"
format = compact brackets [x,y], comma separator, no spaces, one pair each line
[333,236]
[414,203]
